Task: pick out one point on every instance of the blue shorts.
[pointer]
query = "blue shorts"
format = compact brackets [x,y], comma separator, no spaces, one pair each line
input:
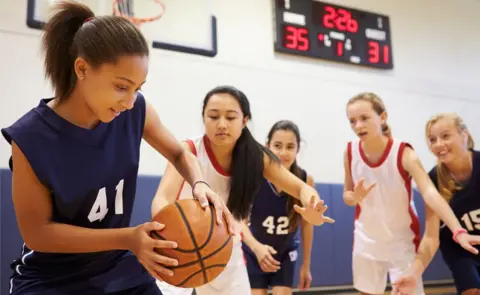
[466,274]
[262,280]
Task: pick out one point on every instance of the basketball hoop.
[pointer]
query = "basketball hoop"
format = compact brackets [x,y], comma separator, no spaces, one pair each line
[122,8]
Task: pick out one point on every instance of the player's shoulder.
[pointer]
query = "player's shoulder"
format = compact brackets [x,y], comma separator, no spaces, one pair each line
[193,143]
[29,125]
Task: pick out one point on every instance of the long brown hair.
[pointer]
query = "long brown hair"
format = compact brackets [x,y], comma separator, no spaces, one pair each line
[378,107]
[287,125]
[446,184]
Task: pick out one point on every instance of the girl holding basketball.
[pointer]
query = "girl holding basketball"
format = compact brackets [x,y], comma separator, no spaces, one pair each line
[235,164]
[457,177]
[378,181]
[75,163]
[270,238]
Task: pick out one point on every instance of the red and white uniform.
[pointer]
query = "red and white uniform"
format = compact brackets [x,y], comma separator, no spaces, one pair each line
[387,231]
[234,279]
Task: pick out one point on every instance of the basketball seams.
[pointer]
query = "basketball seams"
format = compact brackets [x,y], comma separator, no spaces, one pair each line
[206,256]
[195,273]
[192,236]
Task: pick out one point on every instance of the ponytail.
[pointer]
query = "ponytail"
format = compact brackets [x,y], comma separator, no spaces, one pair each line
[386,130]
[73,31]
[446,184]
[246,173]
[58,40]
[293,216]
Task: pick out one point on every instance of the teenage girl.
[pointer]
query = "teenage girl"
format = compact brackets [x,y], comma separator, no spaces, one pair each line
[270,238]
[457,177]
[378,181]
[235,165]
[75,161]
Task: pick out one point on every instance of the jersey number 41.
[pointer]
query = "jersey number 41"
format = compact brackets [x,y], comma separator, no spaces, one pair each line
[99,209]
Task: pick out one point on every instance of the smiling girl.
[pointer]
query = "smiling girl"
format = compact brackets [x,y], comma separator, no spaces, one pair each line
[457,176]
[386,233]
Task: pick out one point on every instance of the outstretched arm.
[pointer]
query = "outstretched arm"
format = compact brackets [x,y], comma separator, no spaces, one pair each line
[162,140]
[430,194]
[313,207]
[429,244]
[307,241]
[435,201]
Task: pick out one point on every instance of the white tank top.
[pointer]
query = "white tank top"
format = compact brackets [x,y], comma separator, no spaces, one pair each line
[386,222]
[213,173]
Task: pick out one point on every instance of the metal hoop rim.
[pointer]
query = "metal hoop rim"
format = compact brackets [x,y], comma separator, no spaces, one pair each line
[139,20]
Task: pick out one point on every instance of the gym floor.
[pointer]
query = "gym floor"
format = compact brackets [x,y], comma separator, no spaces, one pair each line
[446,290]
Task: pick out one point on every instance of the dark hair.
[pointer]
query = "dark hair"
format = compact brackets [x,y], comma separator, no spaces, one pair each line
[288,125]
[74,31]
[246,174]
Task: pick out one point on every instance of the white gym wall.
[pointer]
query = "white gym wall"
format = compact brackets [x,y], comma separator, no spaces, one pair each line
[436,68]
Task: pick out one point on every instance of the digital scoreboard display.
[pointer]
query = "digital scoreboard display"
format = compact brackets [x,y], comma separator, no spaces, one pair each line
[332,32]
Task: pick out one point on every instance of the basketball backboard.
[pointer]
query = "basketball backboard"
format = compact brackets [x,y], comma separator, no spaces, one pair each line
[187,26]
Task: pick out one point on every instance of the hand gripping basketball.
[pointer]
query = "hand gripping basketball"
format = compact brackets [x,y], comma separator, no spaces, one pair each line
[204,246]
[204,194]
[142,245]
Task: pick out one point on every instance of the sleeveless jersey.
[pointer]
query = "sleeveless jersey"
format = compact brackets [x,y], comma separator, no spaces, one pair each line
[215,176]
[92,176]
[466,206]
[386,222]
[269,221]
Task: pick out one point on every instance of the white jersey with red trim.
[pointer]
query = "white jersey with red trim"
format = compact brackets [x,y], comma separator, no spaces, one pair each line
[386,222]
[213,173]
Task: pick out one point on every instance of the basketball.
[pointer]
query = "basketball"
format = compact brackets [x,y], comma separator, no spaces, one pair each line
[204,246]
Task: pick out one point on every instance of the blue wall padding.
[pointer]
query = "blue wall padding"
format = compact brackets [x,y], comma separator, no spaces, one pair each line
[332,247]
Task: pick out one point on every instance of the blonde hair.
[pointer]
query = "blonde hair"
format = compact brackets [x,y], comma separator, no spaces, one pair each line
[377,105]
[446,184]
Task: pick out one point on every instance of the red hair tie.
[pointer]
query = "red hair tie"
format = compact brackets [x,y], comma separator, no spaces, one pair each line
[88,19]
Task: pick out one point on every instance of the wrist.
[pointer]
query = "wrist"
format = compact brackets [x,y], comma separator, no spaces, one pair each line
[306,194]
[127,238]
[306,263]
[197,184]
[255,246]
[458,232]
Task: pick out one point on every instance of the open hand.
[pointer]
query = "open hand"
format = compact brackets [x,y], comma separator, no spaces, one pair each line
[468,242]
[313,212]
[360,191]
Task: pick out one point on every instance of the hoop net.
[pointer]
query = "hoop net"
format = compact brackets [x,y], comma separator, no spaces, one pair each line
[124,8]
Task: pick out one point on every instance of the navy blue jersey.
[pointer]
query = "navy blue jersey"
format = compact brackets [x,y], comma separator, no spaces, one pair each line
[466,206]
[92,177]
[269,222]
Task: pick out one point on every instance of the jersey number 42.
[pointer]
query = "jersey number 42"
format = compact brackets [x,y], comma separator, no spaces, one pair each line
[280,227]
